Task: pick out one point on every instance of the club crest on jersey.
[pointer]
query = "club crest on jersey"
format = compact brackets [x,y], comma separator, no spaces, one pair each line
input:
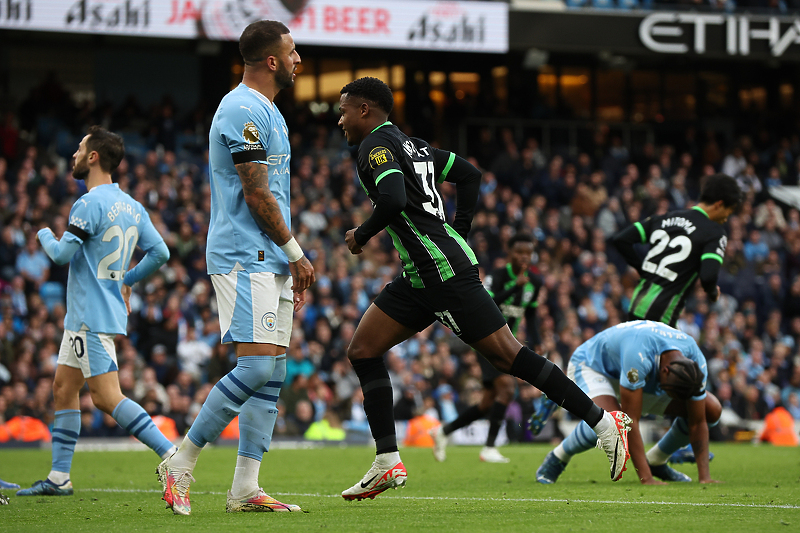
[268,321]
[633,375]
[250,133]
[380,155]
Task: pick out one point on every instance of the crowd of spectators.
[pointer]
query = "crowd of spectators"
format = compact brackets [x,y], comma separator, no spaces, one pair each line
[173,356]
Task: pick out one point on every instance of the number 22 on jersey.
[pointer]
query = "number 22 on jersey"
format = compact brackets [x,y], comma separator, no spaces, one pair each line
[660,241]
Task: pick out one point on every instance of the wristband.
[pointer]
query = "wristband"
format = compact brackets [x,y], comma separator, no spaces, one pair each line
[292,250]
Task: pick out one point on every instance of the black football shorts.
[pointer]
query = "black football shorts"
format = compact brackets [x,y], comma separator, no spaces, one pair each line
[461,303]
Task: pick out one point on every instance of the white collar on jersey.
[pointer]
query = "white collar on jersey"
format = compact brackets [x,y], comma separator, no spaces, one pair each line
[260,96]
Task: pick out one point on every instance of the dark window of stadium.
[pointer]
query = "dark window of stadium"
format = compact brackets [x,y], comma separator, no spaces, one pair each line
[610,95]
[679,97]
[646,95]
[576,93]
[786,91]
[714,93]
[305,85]
[547,85]
[333,75]
[753,98]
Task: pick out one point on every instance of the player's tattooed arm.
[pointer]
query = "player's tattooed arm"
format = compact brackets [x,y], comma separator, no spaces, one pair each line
[262,204]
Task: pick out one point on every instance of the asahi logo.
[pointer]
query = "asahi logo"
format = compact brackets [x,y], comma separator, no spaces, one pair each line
[448,23]
[109,15]
[16,10]
[679,33]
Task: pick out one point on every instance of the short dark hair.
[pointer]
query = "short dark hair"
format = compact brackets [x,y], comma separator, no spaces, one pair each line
[686,379]
[721,187]
[261,39]
[109,146]
[520,237]
[373,90]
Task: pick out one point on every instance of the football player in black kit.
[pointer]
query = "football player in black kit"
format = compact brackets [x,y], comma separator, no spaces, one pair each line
[515,290]
[439,281]
[684,245]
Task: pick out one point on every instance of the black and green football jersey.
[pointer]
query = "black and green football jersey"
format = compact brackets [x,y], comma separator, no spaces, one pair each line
[514,300]
[430,249]
[679,243]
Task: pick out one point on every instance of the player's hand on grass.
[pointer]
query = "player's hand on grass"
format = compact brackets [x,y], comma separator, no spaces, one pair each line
[352,245]
[302,274]
[126,295]
[653,481]
[299,299]
[705,481]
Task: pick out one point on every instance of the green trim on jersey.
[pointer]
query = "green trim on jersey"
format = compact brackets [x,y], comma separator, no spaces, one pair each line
[667,317]
[447,167]
[642,234]
[387,123]
[647,300]
[383,174]
[363,187]
[409,267]
[461,242]
[442,264]
[711,256]
[698,208]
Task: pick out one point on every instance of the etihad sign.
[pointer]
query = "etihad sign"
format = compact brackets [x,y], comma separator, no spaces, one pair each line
[681,33]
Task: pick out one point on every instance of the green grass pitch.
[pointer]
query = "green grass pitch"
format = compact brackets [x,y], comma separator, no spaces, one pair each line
[118,492]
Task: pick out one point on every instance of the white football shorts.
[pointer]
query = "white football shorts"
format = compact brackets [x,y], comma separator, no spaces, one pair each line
[93,353]
[595,384]
[254,307]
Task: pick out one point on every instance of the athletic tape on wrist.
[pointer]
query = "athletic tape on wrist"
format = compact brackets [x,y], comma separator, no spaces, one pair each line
[292,250]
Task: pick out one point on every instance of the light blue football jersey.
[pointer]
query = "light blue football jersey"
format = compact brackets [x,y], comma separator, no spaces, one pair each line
[110,223]
[246,127]
[630,353]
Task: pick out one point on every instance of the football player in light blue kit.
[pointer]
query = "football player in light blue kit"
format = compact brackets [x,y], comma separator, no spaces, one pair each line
[647,368]
[257,268]
[105,225]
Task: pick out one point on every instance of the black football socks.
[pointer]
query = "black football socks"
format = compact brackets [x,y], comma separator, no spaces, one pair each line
[496,415]
[548,378]
[464,419]
[377,389]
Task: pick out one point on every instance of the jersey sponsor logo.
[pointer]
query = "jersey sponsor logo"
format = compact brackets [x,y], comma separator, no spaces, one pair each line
[250,133]
[380,155]
[633,375]
[268,321]
[245,107]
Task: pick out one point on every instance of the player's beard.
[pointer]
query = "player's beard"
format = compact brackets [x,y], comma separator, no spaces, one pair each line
[81,170]
[283,77]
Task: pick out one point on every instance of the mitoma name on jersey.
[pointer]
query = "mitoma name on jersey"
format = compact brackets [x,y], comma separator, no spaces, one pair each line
[122,208]
[680,222]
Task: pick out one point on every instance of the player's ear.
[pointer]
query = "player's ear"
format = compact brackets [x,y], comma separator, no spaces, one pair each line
[364,108]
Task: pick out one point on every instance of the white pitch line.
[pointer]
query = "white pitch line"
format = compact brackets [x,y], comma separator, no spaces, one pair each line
[521,500]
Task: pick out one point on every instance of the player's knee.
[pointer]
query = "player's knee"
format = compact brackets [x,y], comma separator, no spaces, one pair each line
[358,351]
[713,409]
[62,393]
[102,402]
